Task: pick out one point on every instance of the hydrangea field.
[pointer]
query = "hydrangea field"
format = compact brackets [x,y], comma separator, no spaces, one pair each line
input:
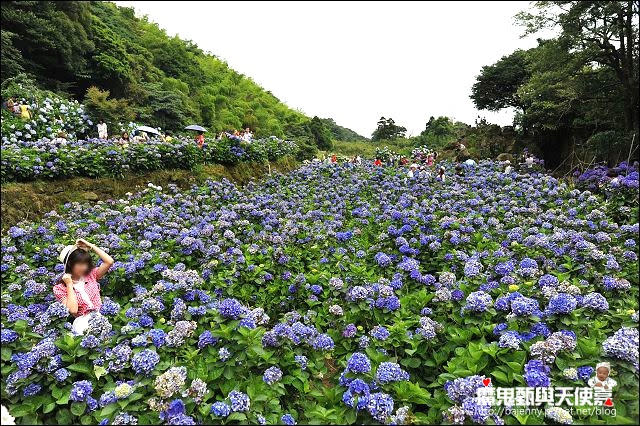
[50,114]
[622,177]
[24,160]
[334,294]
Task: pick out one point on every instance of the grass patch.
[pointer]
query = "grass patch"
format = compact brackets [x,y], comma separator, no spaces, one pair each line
[367,149]
[31,200]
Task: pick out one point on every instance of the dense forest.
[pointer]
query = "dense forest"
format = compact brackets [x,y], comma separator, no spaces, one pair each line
[127,68]
[576,94]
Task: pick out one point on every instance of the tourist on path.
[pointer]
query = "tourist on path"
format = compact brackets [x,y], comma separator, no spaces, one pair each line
[200,139]
[102,130]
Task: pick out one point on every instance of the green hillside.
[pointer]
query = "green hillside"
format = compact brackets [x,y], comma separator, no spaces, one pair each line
[69,47]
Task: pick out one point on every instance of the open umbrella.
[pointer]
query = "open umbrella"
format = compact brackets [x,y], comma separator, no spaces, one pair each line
[196,128]
[147,129]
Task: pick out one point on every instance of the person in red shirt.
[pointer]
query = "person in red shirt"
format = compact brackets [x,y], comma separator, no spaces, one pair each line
[377,162]
[78,289]
[200,139]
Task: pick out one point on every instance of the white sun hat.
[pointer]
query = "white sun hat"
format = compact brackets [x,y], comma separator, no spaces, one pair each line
[65,252]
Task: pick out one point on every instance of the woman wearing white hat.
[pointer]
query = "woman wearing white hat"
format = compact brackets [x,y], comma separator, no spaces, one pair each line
[412,170]
[78,289]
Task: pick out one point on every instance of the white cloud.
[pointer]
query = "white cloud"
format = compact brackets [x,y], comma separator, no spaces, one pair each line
[355,61]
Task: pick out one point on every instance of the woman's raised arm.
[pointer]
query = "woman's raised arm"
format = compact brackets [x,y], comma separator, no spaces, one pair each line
[107,261]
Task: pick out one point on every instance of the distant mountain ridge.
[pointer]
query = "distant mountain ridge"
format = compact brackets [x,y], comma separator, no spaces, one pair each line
[341,133]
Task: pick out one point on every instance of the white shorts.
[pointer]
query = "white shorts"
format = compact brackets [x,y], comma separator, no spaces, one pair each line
[80,324]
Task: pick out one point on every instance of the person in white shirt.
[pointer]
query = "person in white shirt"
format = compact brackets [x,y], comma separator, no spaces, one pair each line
[602,379]
[248,136]
[529,162]
[412,170]
[102,130]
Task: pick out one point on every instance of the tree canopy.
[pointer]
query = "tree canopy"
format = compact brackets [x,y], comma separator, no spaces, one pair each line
[388,130]
[497,85]
[320,133]
[576,95]
[602,33]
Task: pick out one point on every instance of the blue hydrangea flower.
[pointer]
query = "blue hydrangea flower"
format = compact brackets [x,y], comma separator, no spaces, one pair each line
[379,332]
[562,303]
[478,301]
[145,361]
[272,375]
[359,363]
[301,360]
[388,372]
[220,409]
[81,390]
[287,419]
[239,401]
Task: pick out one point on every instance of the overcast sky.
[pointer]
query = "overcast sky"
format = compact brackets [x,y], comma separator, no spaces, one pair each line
[355,61]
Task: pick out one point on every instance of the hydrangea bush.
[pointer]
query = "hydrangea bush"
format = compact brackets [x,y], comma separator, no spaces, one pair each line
[601,177]
[50,114]
[387,155]
[334,294]
[619,185]
[24,160]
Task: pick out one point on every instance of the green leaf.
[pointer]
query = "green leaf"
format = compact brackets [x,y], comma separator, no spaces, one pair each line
[237,416]
[64,399]
[6,353]
[80,368]
[109,409]
[135,396]
[99,371]
[78,408]
[500,376]
[56,392]
[63,417]
[20,410]
[411,362]
[88,420]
